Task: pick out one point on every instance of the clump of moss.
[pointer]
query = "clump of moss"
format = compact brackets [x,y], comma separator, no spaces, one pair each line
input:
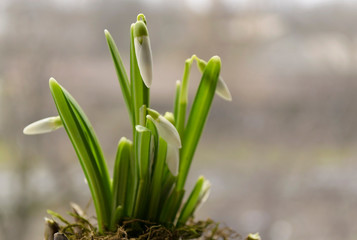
[130,229]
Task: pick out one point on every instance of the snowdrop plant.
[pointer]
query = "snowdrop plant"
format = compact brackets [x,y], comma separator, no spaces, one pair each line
[150,171]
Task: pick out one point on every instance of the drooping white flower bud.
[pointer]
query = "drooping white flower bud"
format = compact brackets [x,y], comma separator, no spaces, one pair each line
[143,51]
[166,130]
[221,88]
[45,125]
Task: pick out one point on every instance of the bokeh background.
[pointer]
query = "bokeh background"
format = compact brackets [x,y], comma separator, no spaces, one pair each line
[281,156]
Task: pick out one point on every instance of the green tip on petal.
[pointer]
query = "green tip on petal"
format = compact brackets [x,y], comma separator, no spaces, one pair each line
[153,113]
[140,29]
[170,116]
[43,126]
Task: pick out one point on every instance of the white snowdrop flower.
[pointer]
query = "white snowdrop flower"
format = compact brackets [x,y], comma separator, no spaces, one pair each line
[221,88]
[172,159]
[143,51]
[166,130]
[45,125]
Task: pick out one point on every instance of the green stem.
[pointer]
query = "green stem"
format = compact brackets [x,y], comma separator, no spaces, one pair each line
[183,98]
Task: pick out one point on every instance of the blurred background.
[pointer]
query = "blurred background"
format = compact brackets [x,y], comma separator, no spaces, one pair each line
[281,156]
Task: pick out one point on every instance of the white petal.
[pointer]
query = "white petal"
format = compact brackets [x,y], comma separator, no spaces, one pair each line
[43,126]
[144,58]
[222,90]
[172,159]
[167,131]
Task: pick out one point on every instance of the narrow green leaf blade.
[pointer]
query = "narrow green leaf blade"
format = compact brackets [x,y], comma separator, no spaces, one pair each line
[156,183]
[121,173]
[121,73]
[143,157]
[171,207]
[191,203]
[142,149]
[197,118]
[88,151]
[177,98]
[183,99]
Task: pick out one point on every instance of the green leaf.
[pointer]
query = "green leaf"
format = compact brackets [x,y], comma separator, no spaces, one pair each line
[197,118]
[118,214]
[197,196]
[142,149]
[121,173]
[132,186]
[143,157]
[88,151]
[121,73]
[171,206]
[177,98]
[156,183]
[141,199]
[168,182]
[183,99]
